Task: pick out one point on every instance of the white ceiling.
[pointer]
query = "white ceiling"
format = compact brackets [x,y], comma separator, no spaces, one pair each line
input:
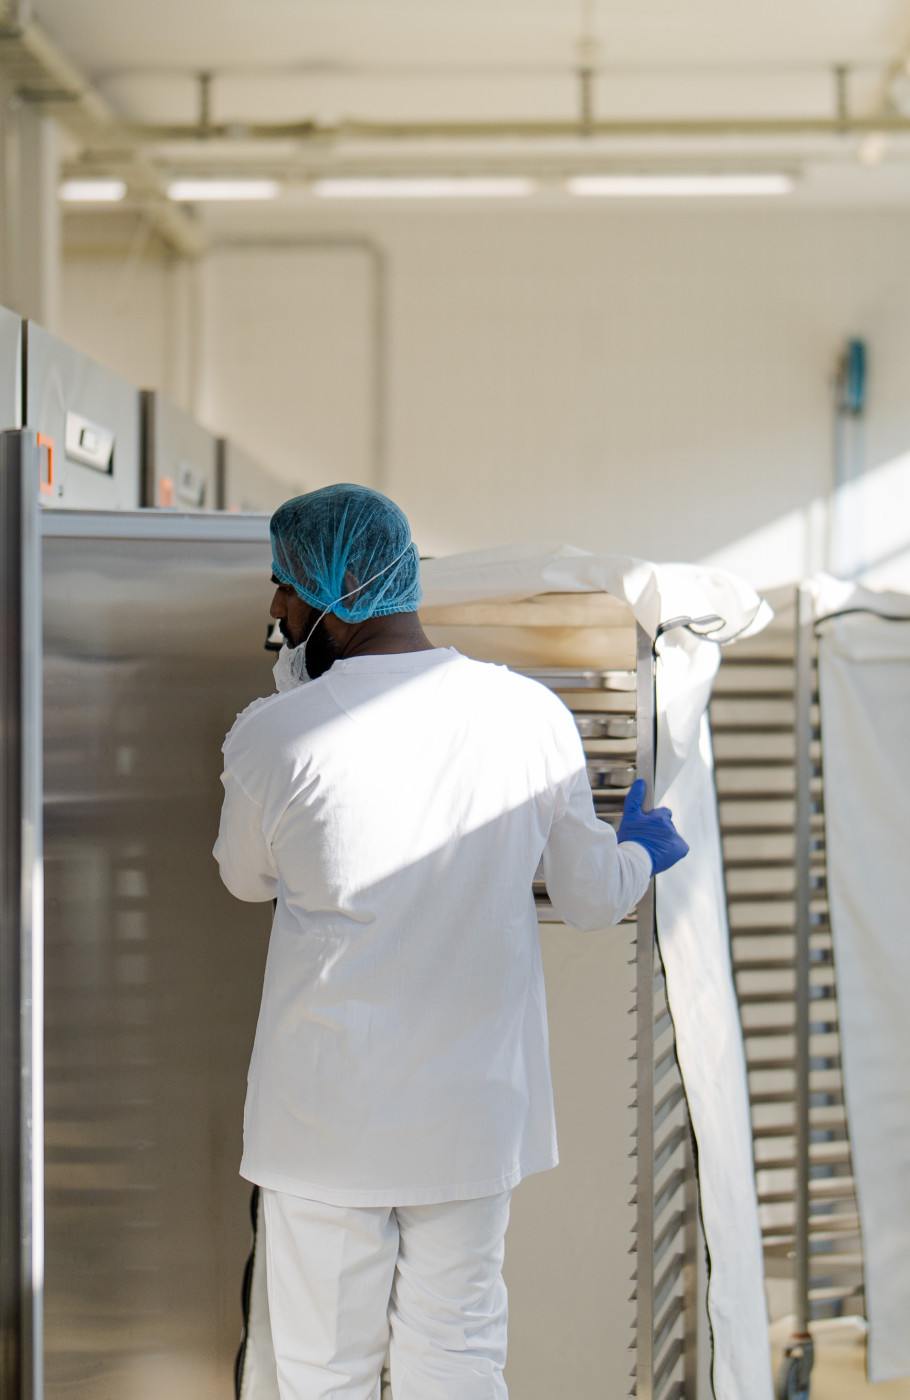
[462,59]
[422,61]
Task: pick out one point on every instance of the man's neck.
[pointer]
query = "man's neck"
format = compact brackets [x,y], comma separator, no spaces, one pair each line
[385,636]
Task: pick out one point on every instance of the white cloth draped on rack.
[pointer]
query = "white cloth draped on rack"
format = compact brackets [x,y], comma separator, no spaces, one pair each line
[864,680]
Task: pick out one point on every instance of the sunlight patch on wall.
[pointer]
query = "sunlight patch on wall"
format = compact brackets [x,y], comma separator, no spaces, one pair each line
[862,531]
[871,527]
[786,549]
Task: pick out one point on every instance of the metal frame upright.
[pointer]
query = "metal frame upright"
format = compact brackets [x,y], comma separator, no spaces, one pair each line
[667,1284]
[797,1367]
[644,1041]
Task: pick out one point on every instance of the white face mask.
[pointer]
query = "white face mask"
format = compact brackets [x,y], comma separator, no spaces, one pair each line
[290,668]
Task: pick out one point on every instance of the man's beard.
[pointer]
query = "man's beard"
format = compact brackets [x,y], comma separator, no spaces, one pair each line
[321,650]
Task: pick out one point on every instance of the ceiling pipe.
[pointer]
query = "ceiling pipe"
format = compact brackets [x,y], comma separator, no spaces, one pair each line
[653,128]
[40,72]
[587,71]
[205,104]
[586,100]
[841,99]
[17,13]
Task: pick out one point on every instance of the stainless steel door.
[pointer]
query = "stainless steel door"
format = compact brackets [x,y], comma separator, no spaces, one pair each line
[153,643]
[89,419]
[179,457]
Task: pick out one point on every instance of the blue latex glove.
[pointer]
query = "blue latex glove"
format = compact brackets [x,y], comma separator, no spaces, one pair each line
[654,830]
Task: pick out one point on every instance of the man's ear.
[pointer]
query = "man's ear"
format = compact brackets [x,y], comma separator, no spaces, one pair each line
[351,585]
[336,627]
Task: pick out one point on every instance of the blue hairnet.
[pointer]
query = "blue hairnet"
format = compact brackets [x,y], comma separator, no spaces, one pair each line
[342,540]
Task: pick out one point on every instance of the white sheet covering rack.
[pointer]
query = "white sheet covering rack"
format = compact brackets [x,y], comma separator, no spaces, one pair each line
[863,641]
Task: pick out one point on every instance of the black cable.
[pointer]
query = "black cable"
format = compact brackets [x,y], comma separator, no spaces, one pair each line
[871,612]
[691,623]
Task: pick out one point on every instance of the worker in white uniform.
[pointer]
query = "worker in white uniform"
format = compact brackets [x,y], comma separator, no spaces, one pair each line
[397,805]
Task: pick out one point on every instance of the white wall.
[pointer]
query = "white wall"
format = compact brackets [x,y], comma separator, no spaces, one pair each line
[287,358]
[136,313]
[652,382]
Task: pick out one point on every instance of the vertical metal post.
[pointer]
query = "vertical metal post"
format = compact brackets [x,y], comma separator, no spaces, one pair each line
[803,725]
[21,925]
[644,1028]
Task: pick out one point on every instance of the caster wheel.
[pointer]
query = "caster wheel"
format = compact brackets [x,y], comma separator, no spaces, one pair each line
[793,1377]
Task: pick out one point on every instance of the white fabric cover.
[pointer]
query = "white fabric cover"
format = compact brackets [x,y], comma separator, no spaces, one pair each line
[691,906]
[695,949]
[655,593]
[864,675]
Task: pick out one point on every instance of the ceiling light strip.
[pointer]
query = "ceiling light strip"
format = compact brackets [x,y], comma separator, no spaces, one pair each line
[194,191]
[92,191]
[677,186]
[457,187]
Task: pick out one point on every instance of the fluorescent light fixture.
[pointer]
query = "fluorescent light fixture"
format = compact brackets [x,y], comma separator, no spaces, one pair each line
[92,191]
[192,191]
[677,186]
[417,187]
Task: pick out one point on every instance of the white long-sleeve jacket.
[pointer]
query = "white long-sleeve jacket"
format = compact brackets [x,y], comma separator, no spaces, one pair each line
[397,809]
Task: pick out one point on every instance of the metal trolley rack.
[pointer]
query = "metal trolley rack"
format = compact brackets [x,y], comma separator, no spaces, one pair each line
[768,758]
[616,717]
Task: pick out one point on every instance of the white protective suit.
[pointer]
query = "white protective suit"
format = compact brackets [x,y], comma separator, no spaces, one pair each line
[397,808]
[346,1284]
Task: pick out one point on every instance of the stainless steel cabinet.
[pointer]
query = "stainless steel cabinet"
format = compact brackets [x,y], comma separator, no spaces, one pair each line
[245,485]
[153,637]
[87,420]
[179,457]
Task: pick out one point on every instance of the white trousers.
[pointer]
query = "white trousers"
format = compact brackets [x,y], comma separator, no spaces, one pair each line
[348,1283]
